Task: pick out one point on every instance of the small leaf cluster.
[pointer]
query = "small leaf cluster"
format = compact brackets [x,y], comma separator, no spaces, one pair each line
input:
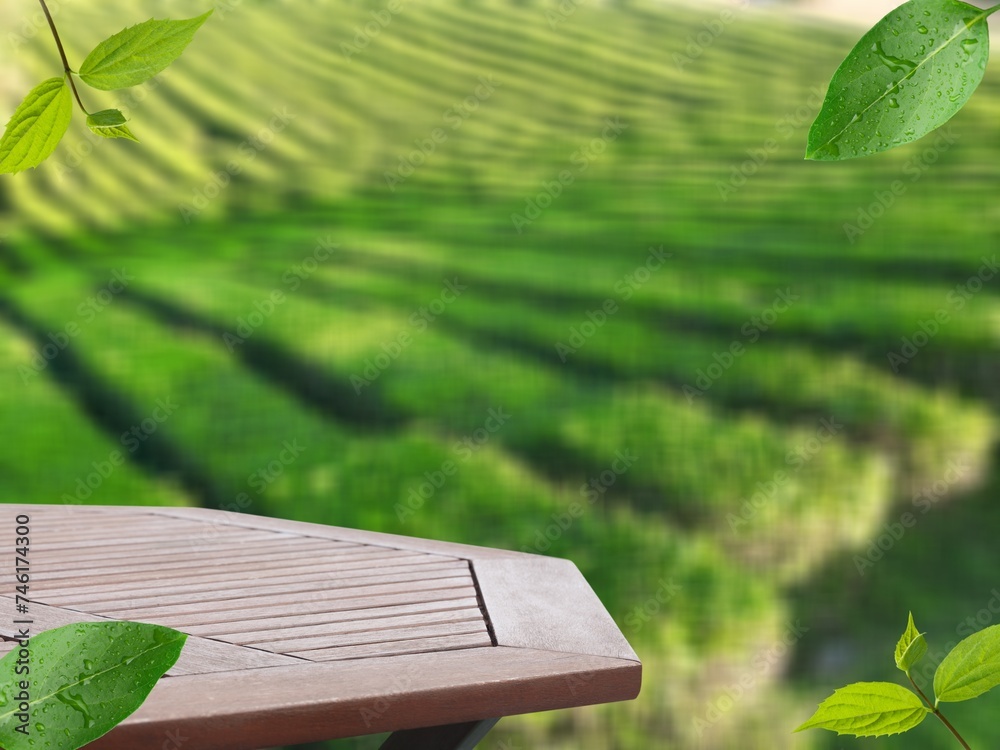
[909,75]
[873,709]
[80,681]
[126,59]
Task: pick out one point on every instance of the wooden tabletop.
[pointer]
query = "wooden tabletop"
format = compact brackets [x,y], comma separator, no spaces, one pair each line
[300,632]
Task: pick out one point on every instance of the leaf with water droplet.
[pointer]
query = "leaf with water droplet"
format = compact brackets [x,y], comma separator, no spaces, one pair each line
[77,700]
[893,80]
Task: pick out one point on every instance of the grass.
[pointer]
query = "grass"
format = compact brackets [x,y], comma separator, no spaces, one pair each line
[211,220]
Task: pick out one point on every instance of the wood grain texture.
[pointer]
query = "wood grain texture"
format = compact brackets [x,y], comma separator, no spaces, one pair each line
[301,632]
[290,705]
[338,532]
[199,655]
[545,603]
[233,632]
[223,581]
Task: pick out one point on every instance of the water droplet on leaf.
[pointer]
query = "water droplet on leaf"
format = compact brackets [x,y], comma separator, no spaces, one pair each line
[895,64]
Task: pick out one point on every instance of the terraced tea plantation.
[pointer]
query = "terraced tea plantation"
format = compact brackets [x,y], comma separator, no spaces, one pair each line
[536,276]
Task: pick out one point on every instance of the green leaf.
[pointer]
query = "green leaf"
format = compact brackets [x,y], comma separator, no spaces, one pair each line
[972,667]
[85,679]
[36,127]
[138,53]
[911,647]
[110,123]
[869,709]
[907,76]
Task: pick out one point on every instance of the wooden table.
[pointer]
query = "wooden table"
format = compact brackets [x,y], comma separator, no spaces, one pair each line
[300,632]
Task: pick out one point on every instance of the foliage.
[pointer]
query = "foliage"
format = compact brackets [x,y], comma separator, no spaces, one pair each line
[494,347]
[909,75]
[126,59]
[67,686]
[874,709]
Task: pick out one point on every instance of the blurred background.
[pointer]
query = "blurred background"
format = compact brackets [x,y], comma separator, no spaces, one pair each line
[573,248]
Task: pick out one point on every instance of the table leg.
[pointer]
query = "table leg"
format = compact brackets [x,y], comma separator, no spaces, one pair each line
[449,737]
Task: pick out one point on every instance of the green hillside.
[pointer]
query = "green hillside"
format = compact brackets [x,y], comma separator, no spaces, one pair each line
[576,254]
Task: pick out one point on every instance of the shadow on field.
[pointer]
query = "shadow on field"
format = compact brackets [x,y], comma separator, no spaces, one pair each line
[113,413]
[308,383]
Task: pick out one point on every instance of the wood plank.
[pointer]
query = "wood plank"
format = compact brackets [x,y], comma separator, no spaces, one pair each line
[84,517]
[243,551]
[179,577]
[305,608]
[199,655]
[223,581]
[473,639]
[469,624]
[370,652]
[235,631]
[545,603]
[80,528]
[309,703]
[140,538]
[66,512]
[364,554]
[272,640]
[202,656]
[166,550]
[236,589]
[281,601]
[395,541]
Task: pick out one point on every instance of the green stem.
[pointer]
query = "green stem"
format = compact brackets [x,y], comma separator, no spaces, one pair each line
[937,711]
[62,54]
[991,11]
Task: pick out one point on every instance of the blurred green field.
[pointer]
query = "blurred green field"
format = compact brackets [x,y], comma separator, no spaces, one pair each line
[662,318]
